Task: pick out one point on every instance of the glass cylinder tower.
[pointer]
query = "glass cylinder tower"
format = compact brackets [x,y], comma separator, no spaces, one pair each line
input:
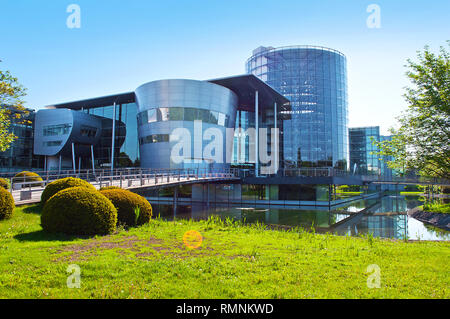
[314,79]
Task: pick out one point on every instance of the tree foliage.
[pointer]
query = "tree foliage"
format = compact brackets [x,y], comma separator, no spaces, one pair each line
[420,144]
[11,107]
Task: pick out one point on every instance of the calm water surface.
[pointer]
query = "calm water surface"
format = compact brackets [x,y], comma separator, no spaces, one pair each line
[384,217]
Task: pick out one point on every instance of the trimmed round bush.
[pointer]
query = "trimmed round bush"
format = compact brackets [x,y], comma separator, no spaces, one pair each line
[63,183]
[6,204]
[132,209]
[27,176]
[79,211]
[4,183]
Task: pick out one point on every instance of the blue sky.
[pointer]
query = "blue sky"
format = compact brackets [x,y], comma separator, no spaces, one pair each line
[123,44]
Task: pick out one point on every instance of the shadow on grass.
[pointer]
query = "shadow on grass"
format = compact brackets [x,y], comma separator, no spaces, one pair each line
[33,209]
[41,235]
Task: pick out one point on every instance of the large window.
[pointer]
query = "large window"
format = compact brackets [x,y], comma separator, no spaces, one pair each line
[126,154]
[154,138]
[52,143]
[55,130]
[182,114]
[88,131]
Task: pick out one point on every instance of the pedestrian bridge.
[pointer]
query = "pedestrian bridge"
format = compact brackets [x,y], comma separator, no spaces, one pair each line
[26,192]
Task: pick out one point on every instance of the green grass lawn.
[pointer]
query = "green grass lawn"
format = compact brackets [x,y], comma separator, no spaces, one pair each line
[349,193]
[411,193]
[234,261]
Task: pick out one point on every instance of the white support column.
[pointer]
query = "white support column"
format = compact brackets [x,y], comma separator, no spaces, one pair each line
[113,137]
[73,158]
[45,163]
[93,160]
[256,133]
[59,166]
[276,150]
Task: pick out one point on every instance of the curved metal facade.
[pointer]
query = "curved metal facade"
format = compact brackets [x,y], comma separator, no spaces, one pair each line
[314,79]
[57,129]
[166,105]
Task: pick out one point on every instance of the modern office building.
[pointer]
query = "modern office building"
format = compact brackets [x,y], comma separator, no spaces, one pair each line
[20,154]
[68,137]
[314,79]
[144,127]
[386,172]
[363,157]
[88,123]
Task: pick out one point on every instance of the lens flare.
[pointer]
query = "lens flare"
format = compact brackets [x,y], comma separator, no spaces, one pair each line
[192,239]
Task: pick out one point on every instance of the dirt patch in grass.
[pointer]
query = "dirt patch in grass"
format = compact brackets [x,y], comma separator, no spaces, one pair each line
[91,248]
[126,246]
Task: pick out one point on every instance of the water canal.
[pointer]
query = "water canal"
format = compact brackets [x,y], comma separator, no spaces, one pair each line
[382,217]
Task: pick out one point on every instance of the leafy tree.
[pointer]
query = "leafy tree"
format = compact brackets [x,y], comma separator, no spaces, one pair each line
[11,107]
[124,160]
[421,143]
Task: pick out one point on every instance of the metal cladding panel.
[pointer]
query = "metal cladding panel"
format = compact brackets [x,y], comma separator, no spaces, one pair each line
[180,94]
[51,117]
[72,121]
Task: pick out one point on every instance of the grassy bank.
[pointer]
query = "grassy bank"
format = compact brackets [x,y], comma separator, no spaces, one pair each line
[411,193]
[436,207]
[234,261]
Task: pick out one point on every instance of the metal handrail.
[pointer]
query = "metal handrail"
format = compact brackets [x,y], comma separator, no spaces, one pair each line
[158,175]
[144,174]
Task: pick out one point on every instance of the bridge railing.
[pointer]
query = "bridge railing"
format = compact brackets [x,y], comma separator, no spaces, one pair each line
[406,179]
[122,174]
[118,175]
[297,172]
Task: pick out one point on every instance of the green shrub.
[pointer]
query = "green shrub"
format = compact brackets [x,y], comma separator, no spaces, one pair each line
[63,183]
[348,188]
[132,209]
[6,204]
[27,176]
[109,187]
[79,211]
[5,183]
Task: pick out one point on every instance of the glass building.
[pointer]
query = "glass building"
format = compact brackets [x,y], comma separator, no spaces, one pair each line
[314,79]
[363,161]
[126,146]
[188,106]
[126,155]
[138,126]
[363,158]
[386,172]
[19,155]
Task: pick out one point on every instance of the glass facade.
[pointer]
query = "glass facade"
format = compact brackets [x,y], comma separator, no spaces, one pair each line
[182,114]
[314,79]
[386,172]
[155,138]
[56,130]
[242,143]
[126,155]
[363,160]
[20,155]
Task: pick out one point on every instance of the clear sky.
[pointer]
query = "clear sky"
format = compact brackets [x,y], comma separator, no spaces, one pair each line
[123,44]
